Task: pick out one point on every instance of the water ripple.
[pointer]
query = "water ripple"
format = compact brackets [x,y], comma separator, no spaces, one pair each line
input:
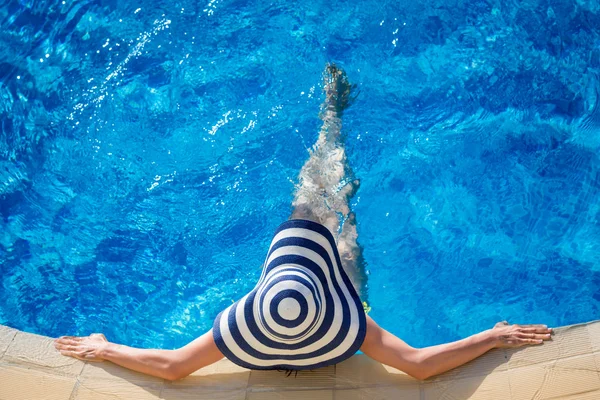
[148,151]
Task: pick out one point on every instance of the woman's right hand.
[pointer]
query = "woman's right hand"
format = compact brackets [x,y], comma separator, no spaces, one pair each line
[87,348]
[506,335]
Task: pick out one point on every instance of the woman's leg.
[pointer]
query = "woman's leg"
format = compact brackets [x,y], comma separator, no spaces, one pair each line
[318,194]
[351,255]
[325,181]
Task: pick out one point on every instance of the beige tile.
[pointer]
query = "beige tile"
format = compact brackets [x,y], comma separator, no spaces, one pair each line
[555,379]
[566,342]
[220,375]
[224,367]
[378,393]
[109,372]
[6,336]
[114,390]
[491,387]
[320,378]
[38,352]
[594,330]
[361,370]
[18,383]
[493,361]
[106,380]
[594,395]
[202,393]
[292,395]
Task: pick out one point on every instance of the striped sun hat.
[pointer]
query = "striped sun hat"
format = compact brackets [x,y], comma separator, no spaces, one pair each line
[304,312]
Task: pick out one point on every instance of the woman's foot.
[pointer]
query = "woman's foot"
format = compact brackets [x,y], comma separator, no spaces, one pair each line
[337,89]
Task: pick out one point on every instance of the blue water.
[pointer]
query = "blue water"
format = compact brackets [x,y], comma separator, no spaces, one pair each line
[149,149]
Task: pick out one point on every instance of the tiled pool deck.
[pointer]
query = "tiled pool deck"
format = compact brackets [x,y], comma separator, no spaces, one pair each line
[565,368]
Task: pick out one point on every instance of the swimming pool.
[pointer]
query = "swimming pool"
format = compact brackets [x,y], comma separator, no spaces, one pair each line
[149,149]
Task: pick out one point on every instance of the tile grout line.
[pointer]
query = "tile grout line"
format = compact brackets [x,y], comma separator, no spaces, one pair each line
[9,343]
[333,390]
[595,353]
[75,387]
[247,390]
[508,369]
[162,388]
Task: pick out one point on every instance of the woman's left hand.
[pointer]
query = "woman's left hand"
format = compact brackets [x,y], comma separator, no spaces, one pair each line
[86,348]
[505,335]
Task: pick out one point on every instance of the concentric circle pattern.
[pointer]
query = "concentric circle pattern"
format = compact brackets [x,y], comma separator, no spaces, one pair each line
[304,312]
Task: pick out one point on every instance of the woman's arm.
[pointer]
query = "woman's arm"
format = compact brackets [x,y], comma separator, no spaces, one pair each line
[424,363]
[166,364]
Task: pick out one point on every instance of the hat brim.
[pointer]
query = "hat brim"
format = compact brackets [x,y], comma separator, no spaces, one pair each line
[327,323]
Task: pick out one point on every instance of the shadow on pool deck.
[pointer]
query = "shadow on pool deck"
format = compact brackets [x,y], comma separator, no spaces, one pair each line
[565,368]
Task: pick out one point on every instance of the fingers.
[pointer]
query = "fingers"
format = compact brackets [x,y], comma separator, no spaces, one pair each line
[536,336]
[526,326]
[536,332]
[539,329]
[82,348]
[521,335]
[68,343]
[66,347]
[65,341]
[530,338]
[530,328]
[77,352]
[70,338]
[533,327]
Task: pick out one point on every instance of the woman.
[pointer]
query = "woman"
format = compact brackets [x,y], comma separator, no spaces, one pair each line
[306,312]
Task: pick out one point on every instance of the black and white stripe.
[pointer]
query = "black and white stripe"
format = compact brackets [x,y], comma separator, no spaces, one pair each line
[304,312]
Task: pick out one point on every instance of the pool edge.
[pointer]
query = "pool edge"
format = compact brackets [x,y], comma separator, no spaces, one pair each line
[568,367]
